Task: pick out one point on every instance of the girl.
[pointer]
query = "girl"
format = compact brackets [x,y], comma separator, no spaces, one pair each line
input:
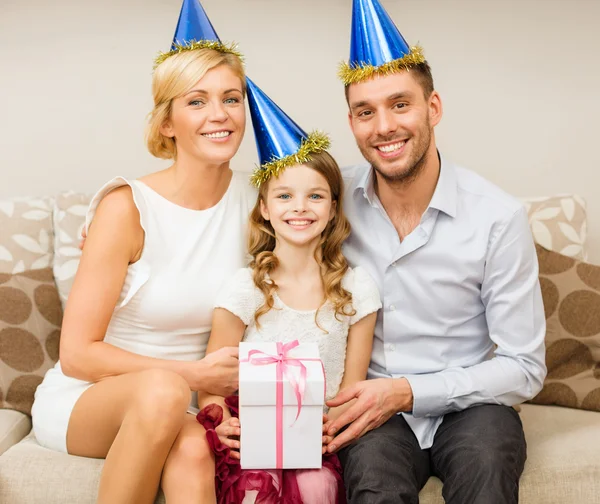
[298,286]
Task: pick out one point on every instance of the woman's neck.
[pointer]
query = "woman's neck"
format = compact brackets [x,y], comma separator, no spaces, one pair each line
[196,185]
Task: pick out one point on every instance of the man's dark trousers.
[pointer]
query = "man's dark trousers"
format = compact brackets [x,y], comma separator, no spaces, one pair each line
[478,453]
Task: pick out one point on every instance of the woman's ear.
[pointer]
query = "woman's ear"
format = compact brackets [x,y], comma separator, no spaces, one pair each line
[264,211]
[167,129]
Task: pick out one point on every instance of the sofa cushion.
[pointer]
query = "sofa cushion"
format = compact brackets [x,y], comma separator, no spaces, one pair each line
[14,426]
[32,474]
[571,292]
[69,219]
[562,460]
[559,223]
[25,234]
[30,319]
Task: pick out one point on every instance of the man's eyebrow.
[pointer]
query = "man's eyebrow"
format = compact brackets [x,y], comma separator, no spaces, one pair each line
[395,96]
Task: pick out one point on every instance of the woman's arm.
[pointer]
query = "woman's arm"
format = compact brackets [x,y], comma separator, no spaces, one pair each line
[113,242]
[227,331]
[358,356]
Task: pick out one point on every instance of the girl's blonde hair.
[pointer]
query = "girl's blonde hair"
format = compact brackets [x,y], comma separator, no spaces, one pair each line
[173,78]
[261,243]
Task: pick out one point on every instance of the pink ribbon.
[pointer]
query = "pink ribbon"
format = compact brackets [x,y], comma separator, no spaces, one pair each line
[283,363]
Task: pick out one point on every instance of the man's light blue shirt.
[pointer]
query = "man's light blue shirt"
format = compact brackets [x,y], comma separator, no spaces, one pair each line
[462,318]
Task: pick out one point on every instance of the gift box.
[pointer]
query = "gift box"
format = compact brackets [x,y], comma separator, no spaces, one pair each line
[281,397]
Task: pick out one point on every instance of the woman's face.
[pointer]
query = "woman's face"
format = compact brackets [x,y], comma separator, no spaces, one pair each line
[208,122]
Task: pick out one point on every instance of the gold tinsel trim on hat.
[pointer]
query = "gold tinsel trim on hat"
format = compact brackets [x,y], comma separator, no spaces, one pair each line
[351,74]
[201,44]
[315,143]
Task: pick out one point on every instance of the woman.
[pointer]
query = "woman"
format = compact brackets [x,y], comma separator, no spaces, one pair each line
[159,249]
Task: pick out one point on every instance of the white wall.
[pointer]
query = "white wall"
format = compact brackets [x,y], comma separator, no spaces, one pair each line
[520,80]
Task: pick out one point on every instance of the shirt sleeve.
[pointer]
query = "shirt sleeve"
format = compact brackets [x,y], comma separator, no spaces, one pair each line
[514,311]
[238,296]
[365,295]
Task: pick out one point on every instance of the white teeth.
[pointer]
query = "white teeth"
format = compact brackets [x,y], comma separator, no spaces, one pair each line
[299,222]
[218,134]
[392,147]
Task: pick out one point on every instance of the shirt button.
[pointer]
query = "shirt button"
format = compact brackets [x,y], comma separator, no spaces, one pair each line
[391,347]
[392,307]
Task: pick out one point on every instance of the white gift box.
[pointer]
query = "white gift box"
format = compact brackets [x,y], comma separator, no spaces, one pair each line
[272,435]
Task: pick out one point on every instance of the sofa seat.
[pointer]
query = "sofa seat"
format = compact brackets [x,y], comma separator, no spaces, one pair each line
[14,426]
[563,465]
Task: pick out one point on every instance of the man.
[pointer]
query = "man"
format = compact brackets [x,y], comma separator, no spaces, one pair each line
[460,338]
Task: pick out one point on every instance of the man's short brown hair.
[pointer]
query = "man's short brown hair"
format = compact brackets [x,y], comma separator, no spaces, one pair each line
[422,73]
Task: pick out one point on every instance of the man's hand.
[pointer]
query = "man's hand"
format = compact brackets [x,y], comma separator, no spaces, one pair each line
[376,401]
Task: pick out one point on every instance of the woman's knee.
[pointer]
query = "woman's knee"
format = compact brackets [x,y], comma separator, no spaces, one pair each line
[317,486]
[192,451]
[161,397]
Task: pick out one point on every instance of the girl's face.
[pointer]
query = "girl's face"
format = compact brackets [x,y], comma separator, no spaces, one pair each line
[208,122]
[298,204]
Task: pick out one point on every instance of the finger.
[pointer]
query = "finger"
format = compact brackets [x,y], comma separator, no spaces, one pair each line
[344,396]
[227,430]
[349,435]
[232,444]
[348,416]
[327,440]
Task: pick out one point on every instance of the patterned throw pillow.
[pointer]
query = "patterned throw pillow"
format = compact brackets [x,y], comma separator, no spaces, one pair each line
[30,319]
[69,219]
[25,234]
[559,223]
[571,292]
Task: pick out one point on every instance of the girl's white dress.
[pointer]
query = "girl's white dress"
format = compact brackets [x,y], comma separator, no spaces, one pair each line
[241,297]
[165,307]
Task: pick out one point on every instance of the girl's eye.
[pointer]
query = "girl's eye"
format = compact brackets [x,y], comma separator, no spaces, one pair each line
[284,196]
[316,196]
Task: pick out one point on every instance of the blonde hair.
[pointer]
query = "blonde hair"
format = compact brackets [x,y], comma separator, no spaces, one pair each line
[173,78]
[261,243]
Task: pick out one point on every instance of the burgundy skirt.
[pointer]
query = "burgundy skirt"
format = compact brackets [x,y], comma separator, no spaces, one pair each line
[279,486]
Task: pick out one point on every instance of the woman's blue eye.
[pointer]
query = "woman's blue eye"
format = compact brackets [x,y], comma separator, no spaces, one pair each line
[196,103]
[232,100]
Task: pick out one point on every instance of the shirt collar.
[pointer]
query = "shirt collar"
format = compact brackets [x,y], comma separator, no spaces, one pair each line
[444,195]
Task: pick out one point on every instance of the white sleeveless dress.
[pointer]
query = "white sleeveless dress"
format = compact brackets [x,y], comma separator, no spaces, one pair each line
[165,307]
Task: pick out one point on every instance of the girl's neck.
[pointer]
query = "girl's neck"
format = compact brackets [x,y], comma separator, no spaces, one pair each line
[196,185]
[296,262]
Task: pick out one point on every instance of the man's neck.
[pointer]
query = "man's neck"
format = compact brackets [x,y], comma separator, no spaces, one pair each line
[405,201]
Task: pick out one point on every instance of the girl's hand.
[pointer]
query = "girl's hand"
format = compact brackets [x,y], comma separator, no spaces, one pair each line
[326,439]
[229,434]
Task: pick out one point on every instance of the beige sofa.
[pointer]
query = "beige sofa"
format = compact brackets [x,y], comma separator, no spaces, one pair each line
[563,465]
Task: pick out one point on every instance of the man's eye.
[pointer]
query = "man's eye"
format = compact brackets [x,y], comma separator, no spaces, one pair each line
[364,113]
[400,105]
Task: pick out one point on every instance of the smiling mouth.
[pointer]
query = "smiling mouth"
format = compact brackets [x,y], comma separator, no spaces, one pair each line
[299,223]
[389,148]
[217,134]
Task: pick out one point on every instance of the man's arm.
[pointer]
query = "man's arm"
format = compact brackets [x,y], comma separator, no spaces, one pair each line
[511,294]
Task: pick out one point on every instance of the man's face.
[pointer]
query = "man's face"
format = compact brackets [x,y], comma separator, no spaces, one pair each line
[393,123]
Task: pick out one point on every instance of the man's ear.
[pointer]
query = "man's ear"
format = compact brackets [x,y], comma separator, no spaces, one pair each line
[264,211]
[435,108]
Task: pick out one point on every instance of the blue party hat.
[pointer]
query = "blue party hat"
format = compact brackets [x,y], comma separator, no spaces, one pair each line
[376,45]
[195,31]
[281,143]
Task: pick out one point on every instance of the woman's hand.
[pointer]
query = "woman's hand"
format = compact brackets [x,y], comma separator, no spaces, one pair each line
[217,373]
[229,434]
[326,438]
